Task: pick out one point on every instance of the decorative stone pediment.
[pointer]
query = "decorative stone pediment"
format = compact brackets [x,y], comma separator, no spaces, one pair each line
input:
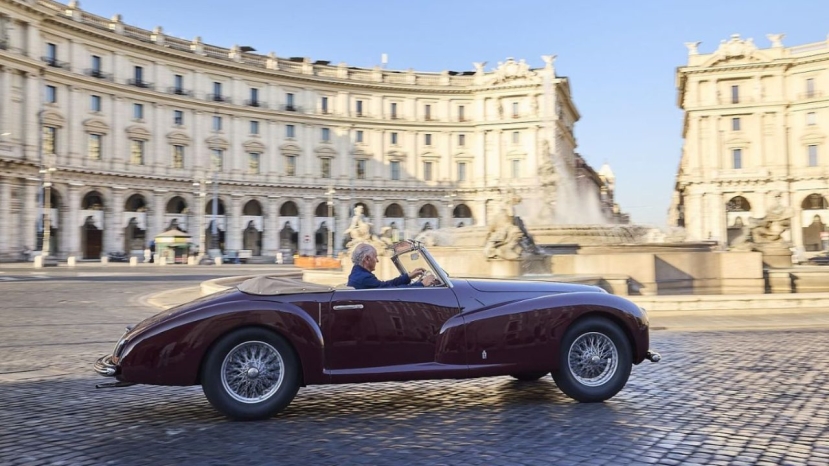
[178,138]
[53,118]
[216,142]
[736,50]
[253,146]
[290,149]
[813,136]
[396,155]
[430,155]
[736,141]
[512,70]
[361,152]
[463,155]
[325,151]
[95,126]
[138,132]
[516,154]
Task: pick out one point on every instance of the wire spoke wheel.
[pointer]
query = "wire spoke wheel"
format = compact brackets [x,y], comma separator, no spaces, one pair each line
[252,372]
[593,359]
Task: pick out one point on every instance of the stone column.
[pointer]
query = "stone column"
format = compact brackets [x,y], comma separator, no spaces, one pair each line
[271,224]
[30,130]
[156,154]
[114,221]
[446,214]
[693,223]
[377,218]
[119,143]
[157,224]
[234,224]
[6,248]
[410,227]
[71,224]
[29,214]
[306,228]
[33,41]
[342,214]
[74,127]
[6,108]
[478,172]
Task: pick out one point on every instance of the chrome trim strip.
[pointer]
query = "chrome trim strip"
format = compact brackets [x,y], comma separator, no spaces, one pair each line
[344,307]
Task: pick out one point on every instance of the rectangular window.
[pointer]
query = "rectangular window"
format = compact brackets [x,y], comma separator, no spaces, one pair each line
[217,90]
[137,152]
[515,109]
[516,168]
[427,171]
[461,140]
[735,94]
[138,74]
[324,105]
[359,108]
[326,135]
[290,165]
[51,94]
[217,157]
[178,156]
[735,124]
[254,97]
[217,123]
[96,64]
[811,119]
[812,155]
[516,137]
[94,149]
[325,167]
[461,110]
[254,127]
[737,158]
[95,103]
[359,136]
[427,139]
[289,102]
[51,52]
[394,139]
[395,170]
[461,171]
[361,169]
[50,140]
[394,110]
[427,111]
[138,111]
[178,83]
[253,163]
[290,131]
[178,117]
[810,87]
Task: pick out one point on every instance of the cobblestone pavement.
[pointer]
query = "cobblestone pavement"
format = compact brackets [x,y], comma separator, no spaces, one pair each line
[738,397]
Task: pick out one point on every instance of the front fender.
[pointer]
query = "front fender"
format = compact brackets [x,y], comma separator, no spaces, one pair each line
[171,352]
[525,335]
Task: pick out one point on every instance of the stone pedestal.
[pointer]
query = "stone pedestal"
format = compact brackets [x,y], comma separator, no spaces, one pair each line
[776,256]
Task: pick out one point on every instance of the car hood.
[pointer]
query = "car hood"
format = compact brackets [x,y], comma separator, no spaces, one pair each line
[504,286]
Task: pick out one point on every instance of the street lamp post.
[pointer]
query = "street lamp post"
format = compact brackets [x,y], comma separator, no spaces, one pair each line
[330,194]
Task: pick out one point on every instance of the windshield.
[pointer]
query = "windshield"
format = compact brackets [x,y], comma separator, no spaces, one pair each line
[411,260]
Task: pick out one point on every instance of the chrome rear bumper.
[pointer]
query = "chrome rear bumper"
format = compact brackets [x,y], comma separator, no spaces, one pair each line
[105,367]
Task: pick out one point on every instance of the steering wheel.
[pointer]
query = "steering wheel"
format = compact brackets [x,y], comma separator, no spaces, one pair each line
[435,282]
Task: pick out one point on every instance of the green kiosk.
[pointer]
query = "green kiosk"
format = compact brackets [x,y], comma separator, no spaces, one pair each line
[174,246]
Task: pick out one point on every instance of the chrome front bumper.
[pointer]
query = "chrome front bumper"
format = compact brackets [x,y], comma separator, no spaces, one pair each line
[105,367]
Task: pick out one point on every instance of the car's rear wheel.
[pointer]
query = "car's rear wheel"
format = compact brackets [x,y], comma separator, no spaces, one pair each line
[250,374]
[594,361]
[529,376]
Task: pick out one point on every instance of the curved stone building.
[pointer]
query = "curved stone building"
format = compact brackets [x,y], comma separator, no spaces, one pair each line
[755,129]
[144,132]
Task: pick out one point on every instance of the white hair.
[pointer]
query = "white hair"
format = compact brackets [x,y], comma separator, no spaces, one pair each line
[360,252]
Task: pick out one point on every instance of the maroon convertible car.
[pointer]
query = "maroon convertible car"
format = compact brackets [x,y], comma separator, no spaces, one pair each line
[253,346]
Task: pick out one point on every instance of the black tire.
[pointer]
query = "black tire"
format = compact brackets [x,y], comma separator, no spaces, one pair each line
[227,394]
[587,380]
[529,376]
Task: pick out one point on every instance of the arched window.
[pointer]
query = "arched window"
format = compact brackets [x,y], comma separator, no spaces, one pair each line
[289,209]
[135,203]
[738,204]
[814,202]
[208,209]
[461,211]
[252,207]
[93,201]
[176,205]
[322,210]
[428,211]
[394,211]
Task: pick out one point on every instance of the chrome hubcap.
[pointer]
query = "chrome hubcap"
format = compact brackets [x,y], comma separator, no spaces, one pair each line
[252,372]
[593,359]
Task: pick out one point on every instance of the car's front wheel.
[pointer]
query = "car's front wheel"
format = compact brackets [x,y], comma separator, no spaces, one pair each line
[250,374]
[594,360]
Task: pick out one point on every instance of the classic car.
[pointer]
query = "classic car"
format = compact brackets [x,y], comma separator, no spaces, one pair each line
[820,259]
[252,346]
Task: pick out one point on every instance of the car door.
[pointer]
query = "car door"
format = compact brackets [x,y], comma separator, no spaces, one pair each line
[365,329]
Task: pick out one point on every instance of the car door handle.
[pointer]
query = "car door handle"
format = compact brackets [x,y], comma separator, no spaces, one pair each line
[344,307]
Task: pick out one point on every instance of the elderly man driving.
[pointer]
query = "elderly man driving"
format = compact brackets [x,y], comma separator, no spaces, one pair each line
[362,275]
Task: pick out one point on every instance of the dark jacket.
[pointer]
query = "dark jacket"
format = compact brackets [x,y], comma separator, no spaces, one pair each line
[361,279]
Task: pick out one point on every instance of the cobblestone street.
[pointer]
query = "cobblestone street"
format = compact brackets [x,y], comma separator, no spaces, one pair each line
[738,397]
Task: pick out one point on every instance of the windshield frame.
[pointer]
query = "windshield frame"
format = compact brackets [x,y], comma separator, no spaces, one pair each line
[408,246]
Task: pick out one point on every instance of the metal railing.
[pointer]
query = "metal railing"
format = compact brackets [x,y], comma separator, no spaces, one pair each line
[255,103]
[179,91]
[97,74]
[140,83]
[54,62]
[218,98]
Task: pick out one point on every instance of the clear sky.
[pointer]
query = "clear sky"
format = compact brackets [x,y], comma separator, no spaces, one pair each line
[620,56]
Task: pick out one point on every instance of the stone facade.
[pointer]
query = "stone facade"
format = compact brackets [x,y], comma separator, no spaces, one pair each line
[142,131]
[755,126]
